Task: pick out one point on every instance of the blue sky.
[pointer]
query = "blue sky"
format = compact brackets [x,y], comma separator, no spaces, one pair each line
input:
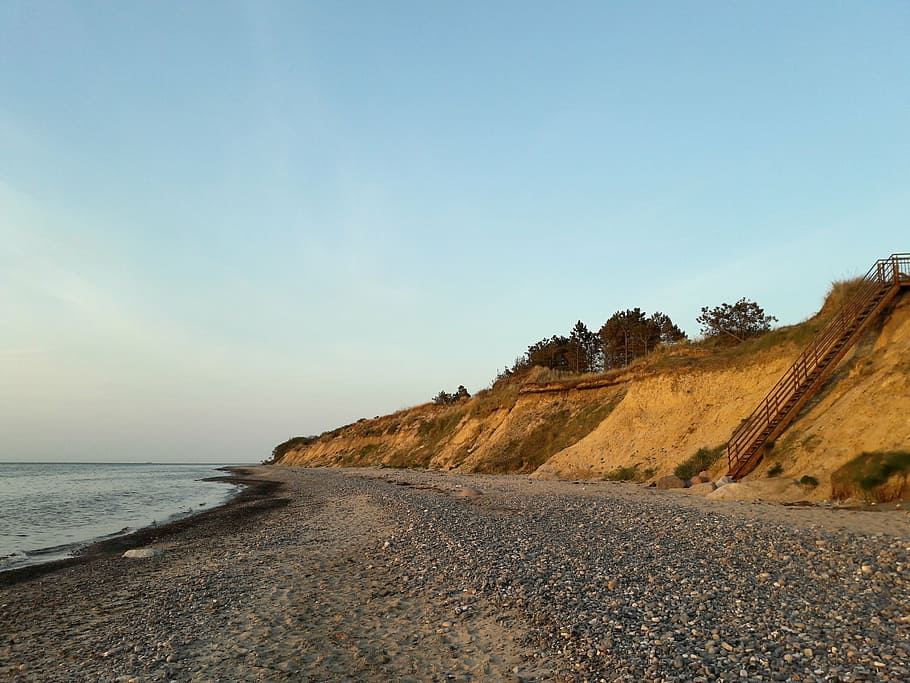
[224,224]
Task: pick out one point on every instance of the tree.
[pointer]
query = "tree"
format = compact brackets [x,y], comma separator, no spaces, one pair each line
[629,334]
[582,349]
[550,353]
[443,398]
[737,322]
[669,332]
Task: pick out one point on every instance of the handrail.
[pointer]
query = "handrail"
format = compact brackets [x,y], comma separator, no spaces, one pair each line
[893,271]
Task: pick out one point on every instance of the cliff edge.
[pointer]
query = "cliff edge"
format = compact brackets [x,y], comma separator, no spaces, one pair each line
[644,421]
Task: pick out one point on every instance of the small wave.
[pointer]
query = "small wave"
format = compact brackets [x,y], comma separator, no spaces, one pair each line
[12,559]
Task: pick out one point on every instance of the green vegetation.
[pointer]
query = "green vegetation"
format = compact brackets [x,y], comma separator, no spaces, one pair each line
[703,459]
[443,398]
[880,476]
[629,335]
[559,430]
[808,481]
[735,322]
[433,432]
[629,474]
[564,362]
[501,397]
[775,470]
[839,294]
[626,336]
[291,444]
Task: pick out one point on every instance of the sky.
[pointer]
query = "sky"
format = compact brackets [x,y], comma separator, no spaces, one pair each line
[223,224]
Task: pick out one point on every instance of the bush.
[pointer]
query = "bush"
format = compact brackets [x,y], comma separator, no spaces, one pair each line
[879,475]
[443,398]
[623,474]
[775,470]
[703,459]
[737,321]
[291,444]
[808,481]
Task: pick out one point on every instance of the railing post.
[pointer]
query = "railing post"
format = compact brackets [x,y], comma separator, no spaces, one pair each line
[895,270]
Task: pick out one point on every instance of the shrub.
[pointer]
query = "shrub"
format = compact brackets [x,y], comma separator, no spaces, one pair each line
[776,470]
[623,474]
[291,444]
[703,459]
[879,475]
[808,481]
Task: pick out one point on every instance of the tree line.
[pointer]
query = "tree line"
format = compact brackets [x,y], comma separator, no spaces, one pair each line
[632,334]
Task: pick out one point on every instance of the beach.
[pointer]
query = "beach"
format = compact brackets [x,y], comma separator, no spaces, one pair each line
[398,575]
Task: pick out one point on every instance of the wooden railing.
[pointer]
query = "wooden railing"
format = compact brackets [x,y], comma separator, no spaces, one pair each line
[875,290]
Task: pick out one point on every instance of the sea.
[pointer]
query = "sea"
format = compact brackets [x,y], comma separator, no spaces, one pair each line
[49,510]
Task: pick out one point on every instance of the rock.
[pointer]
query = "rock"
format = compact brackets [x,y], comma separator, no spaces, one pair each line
[702,489]
[724,480]
[142,553]
[780,490]
[466,492]
[670,482]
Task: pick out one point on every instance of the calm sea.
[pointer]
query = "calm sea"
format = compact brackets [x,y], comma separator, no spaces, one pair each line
[48,510]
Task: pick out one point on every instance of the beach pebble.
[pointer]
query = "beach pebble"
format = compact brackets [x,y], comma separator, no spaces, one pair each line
[141,553]
[534,581]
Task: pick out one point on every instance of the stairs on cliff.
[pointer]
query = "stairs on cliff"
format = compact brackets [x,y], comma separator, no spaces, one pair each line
[816,363]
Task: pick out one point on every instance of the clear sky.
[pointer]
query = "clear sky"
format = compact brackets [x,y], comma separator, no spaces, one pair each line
[223,224]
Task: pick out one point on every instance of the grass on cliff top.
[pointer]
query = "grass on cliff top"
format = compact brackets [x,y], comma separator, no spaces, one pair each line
[878,475]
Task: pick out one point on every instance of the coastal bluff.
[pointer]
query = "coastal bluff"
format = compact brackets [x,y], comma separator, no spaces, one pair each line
[644,421]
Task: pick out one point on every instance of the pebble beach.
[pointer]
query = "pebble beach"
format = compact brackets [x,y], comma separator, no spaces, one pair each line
[398,575]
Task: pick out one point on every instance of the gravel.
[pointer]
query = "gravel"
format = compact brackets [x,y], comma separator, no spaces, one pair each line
[397,575]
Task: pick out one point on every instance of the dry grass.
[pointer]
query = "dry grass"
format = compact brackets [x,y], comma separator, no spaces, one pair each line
[880,476]
[839,293]
[502,396]
[559,430]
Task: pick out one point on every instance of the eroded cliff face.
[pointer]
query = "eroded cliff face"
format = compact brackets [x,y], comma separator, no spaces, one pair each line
[651,418]
[511,431]
[864,407]
[667,417]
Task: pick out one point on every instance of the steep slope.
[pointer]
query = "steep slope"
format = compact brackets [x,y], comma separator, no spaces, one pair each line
[650,418]
[665,418]
[864,407]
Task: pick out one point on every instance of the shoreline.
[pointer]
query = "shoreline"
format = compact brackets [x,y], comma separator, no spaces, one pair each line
[91,550]
[381,574]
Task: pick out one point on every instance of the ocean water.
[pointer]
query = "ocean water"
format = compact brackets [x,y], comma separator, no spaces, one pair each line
[47,510]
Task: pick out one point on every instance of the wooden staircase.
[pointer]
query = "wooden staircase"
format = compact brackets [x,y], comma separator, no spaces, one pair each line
[814,365]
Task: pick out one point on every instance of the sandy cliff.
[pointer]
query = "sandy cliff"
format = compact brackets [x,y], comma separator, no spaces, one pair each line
[651,417]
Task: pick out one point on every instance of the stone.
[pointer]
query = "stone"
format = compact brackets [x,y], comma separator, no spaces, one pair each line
[142,553]
[724,480]
[670,482]
[467,492]
[702,489]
